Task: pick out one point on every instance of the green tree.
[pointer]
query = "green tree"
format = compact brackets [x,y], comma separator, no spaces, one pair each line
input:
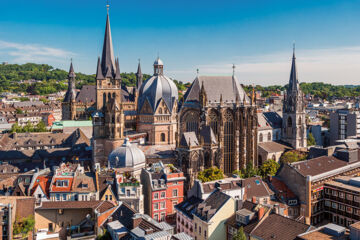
[24,226]
[240,234]
[19,111]
[210,174]
[292,156]
[250,171]
[269,167]
[311,140]
[40,127]
[15,128]
[28,127]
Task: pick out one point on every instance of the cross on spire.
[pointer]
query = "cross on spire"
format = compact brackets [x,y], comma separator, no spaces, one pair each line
[107,6]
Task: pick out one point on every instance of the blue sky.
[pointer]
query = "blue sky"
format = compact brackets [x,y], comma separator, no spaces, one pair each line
[211,35]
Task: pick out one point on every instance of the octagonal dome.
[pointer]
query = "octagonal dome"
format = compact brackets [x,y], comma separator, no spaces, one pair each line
[126,156]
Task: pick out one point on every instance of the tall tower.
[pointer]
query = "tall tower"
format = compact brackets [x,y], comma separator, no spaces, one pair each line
[109,116]
[68,106]
[139,77]
[294,121]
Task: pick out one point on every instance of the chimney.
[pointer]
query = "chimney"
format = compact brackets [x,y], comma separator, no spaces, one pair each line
[261,212]
[136,220]
[254,200]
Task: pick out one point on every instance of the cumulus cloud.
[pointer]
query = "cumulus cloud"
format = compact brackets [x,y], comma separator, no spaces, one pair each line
[332,65]
[22,53]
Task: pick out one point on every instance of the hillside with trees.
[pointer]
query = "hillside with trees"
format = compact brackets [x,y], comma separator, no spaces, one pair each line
[42,79]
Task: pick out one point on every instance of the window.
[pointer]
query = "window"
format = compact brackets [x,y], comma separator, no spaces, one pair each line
[341,207]
[205,234]
[162,194]
[228,142]
[110,197]
[341,195]
[156,217]
[39,195]
[162,216]
[57,197]
[349,197]
[64,197]
[162,137]
[261,137]
[175,193]
[156,195]
[327,203]
[195,227]
[76,198]
[334,193]
[269,137]
[128,192]
[162,205]
[356,198]
[106,197]
[156,206]
[334,205]
[199,230]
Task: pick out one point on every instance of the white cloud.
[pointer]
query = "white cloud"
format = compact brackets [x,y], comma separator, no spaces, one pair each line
[22,53]
[333,65]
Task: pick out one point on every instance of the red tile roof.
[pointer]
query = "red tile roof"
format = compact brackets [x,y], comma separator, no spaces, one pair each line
[55,188]
[100,206]
[44,182]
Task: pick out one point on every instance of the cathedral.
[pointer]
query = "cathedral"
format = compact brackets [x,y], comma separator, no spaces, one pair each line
[217,127]
[294,115]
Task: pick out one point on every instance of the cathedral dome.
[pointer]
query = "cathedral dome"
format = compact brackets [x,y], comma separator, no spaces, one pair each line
[158,87]
[126,156]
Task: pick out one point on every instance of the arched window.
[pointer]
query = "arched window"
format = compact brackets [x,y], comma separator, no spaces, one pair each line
[299,120]
[261,137]
[113,95]
[160,110]
[289,127]
[213,119]
[228,142]
[190,122]
[162,137]
[269,136]
[260,160]
[109,97]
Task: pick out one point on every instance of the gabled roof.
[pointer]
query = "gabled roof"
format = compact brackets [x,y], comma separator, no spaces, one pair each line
[207,209]
[83,183]
[208,135]
[189,139]
[42,182]
[100,206]
[255,187]
[188,207]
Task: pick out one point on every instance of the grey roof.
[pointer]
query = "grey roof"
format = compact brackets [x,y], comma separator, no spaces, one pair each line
[87,94]
[189,206]
[71,92]
[273,147]
[182,236]
[189,139]
[208,135]
[154,89]
[274,119]
[215,86]
[207,209]
[128,155]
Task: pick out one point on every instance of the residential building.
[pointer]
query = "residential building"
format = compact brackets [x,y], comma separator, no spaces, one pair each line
[210,215]
[306,180]
[163,189]
[184,215]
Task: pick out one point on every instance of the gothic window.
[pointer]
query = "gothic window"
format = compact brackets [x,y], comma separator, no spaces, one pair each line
[261,137]
[213,117]
[299,121]
[109,97]
[162,137]
[269,137]
[228,141]
[260,160]
[113,95]
[191,121]
[289,127]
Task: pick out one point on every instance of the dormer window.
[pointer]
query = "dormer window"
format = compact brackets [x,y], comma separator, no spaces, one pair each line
[62,183]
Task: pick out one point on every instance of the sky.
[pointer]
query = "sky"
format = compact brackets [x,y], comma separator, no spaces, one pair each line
[210,35]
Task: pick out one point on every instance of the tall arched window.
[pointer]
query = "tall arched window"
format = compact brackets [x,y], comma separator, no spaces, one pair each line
[162,137]
[269,137]
[104,99]
[289,127]
[191,122]
[261,137]
[228,142]
[213,118]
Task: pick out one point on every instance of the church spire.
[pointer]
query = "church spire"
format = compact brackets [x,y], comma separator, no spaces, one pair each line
[139,77]
[293,81]
[107,58]
[71,92]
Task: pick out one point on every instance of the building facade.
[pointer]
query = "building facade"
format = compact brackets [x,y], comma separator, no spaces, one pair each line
[344,124]
[217,127]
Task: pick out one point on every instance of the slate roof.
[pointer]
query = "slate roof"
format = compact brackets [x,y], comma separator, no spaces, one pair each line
[230,88]
[189,139]
[318,165]
[273,118]
[207,209]
[188,207]
[278,227]
[87,94]
[208,135]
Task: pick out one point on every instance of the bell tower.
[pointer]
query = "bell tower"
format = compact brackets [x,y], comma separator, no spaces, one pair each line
[108,120]
[294,116]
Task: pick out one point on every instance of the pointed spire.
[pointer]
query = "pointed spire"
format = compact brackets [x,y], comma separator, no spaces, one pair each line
[107,58]
[233,67]
[293,81]
[70,94]
[117,74]
[99,74]
[221,99]
[139,76]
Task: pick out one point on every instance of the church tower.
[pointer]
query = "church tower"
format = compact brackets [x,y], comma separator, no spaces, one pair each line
[108,120]
[294,121]
[68,105]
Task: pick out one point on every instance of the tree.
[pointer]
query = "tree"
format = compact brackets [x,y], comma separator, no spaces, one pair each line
[240,235]
[19,111]
[40,127]
[24,226]
[15,128]
[311,140]
[292,156]
[210,174]
[250,171]
[269,167]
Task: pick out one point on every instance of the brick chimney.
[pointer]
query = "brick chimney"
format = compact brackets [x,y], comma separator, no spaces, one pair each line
[136,220]
[261,212]
[254,200]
